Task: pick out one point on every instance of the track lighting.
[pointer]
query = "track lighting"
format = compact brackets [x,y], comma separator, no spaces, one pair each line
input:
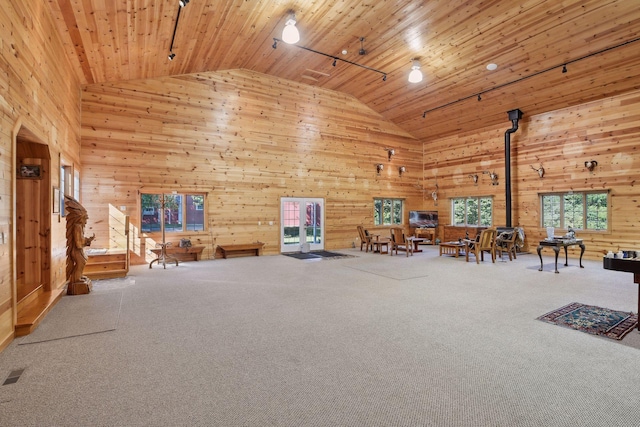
[290,33]
[362,51]
[590,165]
[379,168]
[182,4]
[415,76]
[333,57]
[401,170]
[474,178]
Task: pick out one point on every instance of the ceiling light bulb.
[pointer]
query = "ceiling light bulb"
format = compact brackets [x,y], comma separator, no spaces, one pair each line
[290,33]
[415,76]
[183,3]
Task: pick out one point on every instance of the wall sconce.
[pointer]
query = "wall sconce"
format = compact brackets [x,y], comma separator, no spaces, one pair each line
[590,165]
[474,177]
[401,170]
[379,168]
[493,176]
[390,152]
[540,170]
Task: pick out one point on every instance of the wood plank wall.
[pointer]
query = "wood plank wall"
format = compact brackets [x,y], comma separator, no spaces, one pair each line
[607,131]
[40,98]
[246,139]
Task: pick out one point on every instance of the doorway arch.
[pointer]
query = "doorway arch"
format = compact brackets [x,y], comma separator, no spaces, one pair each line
[32,197]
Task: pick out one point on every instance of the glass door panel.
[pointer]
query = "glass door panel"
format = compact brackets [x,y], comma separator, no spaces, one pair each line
[301,224]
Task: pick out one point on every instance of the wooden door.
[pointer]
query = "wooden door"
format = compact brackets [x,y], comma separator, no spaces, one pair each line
[33,218]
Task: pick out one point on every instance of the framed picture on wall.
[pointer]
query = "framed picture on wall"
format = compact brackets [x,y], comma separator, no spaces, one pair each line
[56,200]
[30,172]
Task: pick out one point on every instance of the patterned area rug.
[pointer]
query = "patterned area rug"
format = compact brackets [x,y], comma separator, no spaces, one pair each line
[318,255]
[593,320]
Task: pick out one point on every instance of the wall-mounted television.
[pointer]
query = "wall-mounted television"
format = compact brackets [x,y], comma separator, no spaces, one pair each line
[423,219]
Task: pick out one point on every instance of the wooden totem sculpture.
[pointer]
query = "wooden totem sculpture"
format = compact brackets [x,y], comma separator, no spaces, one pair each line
[76,241]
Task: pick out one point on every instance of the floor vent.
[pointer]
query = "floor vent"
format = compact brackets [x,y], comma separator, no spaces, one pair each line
[13,377]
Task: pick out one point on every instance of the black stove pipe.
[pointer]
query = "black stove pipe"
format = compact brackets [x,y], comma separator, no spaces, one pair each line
[514,116]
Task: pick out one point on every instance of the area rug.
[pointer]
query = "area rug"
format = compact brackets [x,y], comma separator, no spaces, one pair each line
[593,320]
[78,315]
[318,255]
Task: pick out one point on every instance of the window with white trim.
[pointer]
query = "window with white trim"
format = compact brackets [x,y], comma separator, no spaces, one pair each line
[472,211]
[388,211]
[587,210]
[182,212]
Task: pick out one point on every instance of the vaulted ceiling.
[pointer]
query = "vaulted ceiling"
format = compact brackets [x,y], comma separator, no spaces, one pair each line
[454,40]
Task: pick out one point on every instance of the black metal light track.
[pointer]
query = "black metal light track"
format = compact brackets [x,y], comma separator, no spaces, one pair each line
[335,58]
[563,66]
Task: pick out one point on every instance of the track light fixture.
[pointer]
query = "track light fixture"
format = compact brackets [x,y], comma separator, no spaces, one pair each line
[335,58]
[474,178]
[379,168]
[182,4]
[537,73]
[290,33]
[590,165]
[401,170]
[362,51]
[415,76]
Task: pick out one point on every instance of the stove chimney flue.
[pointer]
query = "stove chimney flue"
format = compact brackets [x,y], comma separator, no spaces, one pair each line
[514,116]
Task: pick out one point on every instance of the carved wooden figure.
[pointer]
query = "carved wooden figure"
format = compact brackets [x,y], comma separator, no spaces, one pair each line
[76,242]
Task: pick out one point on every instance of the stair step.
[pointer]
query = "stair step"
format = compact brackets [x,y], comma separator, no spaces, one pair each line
[106,274]
[32,314]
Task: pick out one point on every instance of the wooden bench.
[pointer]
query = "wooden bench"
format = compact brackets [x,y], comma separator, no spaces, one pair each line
[191,253]
[242,249]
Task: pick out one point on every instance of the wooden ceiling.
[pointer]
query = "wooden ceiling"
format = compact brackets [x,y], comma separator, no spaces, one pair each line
[530,40]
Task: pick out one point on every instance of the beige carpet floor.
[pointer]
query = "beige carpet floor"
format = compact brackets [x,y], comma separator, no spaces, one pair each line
[373,340]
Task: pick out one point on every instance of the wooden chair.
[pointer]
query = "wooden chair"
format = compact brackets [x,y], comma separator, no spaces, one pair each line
[398,241]
[485,243]
[365,239]
[506,242]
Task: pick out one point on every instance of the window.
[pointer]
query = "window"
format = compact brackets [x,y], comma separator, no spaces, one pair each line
[182,212]
[578,210]
[473,211]
[67,187]
[388,211]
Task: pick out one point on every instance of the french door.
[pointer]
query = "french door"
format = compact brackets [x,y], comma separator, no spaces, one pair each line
[301,224]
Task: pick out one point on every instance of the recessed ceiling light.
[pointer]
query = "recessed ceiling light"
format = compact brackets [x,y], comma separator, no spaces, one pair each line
[492,66]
